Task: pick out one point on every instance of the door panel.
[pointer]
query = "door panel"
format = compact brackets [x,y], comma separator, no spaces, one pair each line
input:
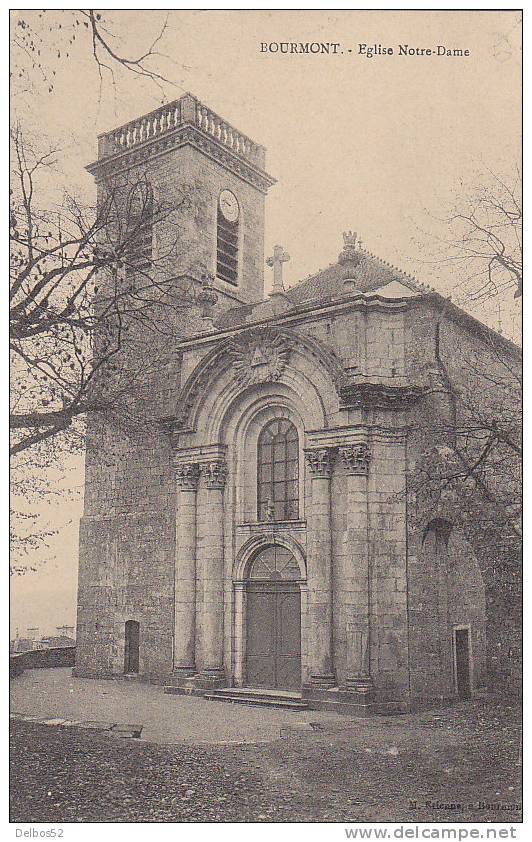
[288,653]
[260,648]
[289,623]
[273,648]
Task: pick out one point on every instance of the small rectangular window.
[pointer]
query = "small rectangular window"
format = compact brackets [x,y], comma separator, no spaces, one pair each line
[131,648]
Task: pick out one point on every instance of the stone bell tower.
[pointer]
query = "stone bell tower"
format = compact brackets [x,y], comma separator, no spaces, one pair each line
[214,175]
[211,179]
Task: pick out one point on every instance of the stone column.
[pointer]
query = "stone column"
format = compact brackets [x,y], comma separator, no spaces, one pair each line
[187,476]
[355,459]
[213,575]
[319,563]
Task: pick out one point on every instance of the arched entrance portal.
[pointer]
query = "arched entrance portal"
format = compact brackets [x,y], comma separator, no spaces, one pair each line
[273,620]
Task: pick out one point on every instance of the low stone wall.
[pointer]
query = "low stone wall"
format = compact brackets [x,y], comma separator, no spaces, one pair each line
[60,656]
[16,665]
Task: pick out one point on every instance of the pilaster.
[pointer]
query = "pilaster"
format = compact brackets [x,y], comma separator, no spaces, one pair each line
[320,463]
[355,459]
[212,549]
[187,476]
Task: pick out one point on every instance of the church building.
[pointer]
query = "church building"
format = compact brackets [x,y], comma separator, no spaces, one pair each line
[259,539]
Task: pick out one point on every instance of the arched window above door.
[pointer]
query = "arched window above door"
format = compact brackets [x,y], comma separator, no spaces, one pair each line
[278,471]
[274,562]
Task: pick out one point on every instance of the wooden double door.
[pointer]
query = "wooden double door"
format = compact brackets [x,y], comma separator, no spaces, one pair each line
[273,635]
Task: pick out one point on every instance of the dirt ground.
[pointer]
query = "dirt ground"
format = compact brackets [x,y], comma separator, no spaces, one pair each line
[165,719]
[454,764]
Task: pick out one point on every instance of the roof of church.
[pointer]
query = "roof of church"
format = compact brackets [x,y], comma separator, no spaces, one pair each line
[367,271]
[367,274]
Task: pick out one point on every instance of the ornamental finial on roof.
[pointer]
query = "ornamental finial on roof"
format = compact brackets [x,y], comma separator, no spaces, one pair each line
[351,250]
[350,238]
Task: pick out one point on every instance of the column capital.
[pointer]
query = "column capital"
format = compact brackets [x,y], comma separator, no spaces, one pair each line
[320,461]
[215,473]
[187,475]
[356,458]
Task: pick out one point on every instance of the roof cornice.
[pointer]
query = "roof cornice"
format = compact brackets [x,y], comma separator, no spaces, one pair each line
[301,314]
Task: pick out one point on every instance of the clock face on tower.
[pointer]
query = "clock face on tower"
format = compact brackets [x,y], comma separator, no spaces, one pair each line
[229,205]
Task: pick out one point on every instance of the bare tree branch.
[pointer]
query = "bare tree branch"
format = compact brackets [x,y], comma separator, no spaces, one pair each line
[480,238]
[87,293]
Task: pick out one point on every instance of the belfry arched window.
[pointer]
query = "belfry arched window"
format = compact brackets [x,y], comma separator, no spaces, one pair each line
[139,231]
[227,237]
[278,471]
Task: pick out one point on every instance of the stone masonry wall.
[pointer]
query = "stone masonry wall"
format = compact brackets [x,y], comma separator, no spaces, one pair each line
[389,630]
[475,592]
[445,590]
[191,182]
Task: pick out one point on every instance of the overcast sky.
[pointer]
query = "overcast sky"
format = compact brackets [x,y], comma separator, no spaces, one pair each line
[377,145]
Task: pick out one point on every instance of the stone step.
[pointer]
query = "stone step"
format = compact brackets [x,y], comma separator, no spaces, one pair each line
[173,690]
[271,700]
[263,692]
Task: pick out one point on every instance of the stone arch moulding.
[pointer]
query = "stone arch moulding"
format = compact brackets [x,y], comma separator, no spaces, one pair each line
[254,545]
[254,356]
[314,406]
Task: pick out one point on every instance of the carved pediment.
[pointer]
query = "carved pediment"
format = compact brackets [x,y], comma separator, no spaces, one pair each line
[259,356]
[254,355]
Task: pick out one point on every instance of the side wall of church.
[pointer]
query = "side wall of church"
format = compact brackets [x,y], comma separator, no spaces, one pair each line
[463,587]
[446,591]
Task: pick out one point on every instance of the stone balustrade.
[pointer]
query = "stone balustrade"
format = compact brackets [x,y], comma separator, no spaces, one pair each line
[185,111]
[138,131]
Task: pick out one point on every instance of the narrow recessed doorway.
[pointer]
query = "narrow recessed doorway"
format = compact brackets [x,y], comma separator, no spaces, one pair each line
[462,661]
[132,644]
